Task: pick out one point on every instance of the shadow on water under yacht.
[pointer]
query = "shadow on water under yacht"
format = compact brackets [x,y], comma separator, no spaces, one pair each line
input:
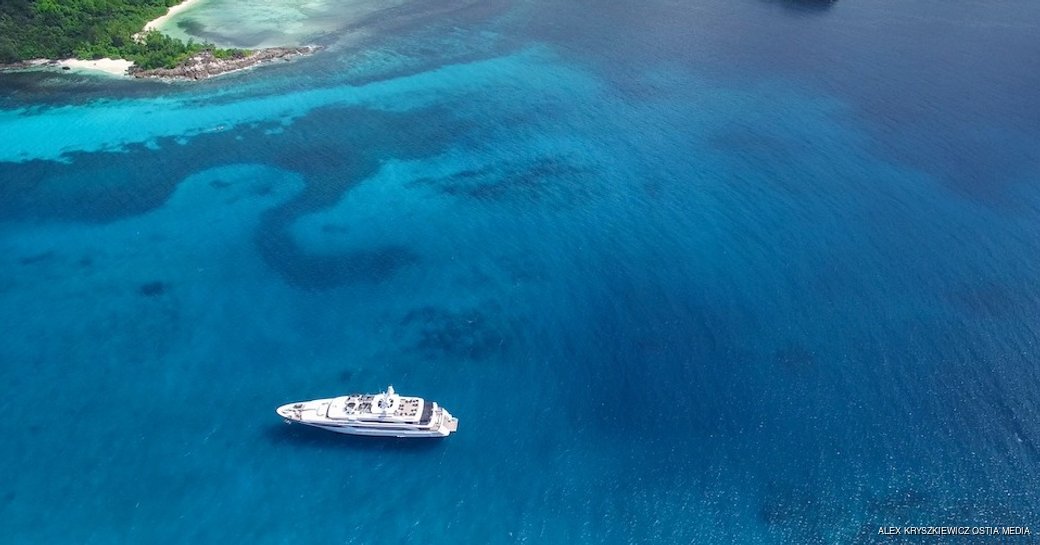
[307,437]
[804,7]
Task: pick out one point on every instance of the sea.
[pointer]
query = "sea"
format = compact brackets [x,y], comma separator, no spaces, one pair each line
[687,272]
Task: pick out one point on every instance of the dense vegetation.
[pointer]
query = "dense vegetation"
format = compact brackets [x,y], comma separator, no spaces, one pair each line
[91,29]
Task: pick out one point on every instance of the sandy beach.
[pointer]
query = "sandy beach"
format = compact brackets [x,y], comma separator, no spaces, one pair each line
[155,24]
[115,67]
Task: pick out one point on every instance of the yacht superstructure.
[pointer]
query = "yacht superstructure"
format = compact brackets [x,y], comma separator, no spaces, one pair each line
[386,414]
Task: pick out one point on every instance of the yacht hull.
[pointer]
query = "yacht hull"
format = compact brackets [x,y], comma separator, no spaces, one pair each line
[350,430]
[379,415]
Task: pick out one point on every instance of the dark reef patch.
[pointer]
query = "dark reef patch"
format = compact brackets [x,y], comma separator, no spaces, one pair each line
[331,167]
[152,289]
[37,258]
[38,91]
[263,190]
[442,333]
[329,228]
[320,272]
[93,186]
[547,179]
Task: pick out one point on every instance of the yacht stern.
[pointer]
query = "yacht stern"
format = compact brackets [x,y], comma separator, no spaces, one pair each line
[449,423]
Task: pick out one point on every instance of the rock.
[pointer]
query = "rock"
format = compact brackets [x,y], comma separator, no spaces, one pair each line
[205,64]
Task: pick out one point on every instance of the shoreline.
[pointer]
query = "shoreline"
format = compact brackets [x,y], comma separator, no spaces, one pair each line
[154,24]
[200,66]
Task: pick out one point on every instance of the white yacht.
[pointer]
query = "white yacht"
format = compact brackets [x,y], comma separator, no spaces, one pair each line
[386,414]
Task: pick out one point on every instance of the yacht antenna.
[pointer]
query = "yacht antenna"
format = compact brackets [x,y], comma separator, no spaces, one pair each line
[387,399]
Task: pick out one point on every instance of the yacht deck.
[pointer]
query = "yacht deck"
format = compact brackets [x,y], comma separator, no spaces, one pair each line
[403,409]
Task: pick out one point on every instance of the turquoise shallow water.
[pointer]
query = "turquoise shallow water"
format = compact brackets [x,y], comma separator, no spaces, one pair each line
[269,23]
[757,272]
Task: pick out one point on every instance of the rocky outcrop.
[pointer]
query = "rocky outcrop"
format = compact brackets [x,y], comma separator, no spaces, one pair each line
[205,64]
[33,64]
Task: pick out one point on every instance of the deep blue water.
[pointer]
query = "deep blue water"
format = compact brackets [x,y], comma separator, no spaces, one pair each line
[688,272]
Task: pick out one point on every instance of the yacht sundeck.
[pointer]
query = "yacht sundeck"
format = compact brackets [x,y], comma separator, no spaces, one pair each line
[386,414]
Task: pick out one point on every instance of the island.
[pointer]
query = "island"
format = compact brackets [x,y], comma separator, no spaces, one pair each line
[118,36]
